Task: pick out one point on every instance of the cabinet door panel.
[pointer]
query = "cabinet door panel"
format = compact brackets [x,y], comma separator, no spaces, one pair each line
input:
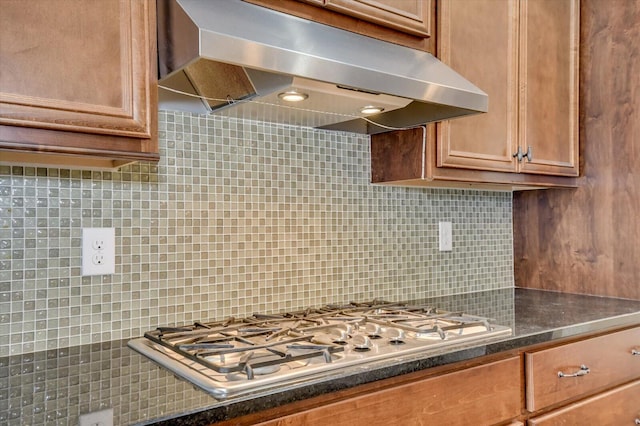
[479,41]
[617,407]
[411,16]
[486,394]
[549,41]
[76,66]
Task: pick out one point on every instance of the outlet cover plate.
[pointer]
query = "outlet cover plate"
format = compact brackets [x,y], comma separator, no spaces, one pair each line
[98,251]
[97,418]
[445,236]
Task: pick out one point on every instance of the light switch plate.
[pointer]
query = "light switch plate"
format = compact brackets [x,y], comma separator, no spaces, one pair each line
[446,236]
[98,251]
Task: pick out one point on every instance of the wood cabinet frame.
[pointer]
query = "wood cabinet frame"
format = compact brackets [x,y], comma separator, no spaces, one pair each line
[51,118]
[536,101]
[314,11]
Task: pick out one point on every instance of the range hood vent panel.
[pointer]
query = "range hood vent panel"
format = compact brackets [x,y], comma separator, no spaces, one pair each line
[233,50]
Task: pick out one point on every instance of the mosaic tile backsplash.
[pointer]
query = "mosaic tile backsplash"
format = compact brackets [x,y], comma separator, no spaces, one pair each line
[238,217]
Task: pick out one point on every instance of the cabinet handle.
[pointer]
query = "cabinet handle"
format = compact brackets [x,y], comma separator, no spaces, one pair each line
[635,352]
[520,155]
[583,370]
[637,421]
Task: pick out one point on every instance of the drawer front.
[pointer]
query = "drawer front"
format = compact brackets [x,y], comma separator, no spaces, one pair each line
[617,407]
[487,394]
[558,374]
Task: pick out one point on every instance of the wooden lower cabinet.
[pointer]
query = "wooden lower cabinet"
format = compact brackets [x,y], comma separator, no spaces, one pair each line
[581,368]
[483,395]
[620,406]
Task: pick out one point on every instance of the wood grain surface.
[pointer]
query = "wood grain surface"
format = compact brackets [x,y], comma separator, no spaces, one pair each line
[310,10]
[616,407]
[587,240]
[481,395]
[608,358]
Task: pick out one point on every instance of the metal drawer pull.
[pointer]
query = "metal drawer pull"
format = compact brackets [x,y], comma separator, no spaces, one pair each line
[583,370]
[635,352]
[638,421]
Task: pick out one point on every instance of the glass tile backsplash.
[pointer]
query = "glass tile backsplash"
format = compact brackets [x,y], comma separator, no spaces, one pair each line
[238,217]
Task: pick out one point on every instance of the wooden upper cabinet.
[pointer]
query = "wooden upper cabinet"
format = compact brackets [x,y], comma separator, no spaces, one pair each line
[78,78]
[524,54]
[406,22]
[410,16]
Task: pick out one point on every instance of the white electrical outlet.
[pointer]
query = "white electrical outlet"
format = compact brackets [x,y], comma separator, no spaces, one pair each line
[97,418]
[98,251]
[446,236]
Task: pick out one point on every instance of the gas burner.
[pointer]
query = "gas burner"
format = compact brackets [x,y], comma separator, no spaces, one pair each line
[374,331]
[396,336]
[264,351]
[361,343]
[341,333]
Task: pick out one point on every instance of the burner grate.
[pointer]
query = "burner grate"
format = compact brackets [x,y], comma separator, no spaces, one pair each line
[263,344]
[246,346]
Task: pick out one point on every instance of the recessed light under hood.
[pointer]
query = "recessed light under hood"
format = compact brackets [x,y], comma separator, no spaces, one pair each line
[234,58]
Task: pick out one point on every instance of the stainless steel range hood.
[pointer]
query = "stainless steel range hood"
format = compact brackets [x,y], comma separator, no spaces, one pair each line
[236,58]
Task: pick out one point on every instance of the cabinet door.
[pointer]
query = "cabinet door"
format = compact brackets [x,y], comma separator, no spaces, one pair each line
[411,16]
[617,407]
[478,39]
[404,22]
[549,41]
[76,68]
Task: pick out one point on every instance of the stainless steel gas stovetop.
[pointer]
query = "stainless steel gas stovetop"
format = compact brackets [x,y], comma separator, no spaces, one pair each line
[238,356]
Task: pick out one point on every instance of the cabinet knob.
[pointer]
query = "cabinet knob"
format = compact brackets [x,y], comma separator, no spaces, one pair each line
[583,371]
[520,155]
[637,421]
[635,352]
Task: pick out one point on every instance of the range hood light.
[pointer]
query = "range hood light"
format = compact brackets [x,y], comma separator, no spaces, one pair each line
[293,96]
[370,109]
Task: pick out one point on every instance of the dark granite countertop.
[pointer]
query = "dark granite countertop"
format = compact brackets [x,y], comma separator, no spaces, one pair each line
[56,386]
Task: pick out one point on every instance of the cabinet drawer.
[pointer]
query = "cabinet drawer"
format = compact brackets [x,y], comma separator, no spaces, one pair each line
[609,360]
[616,407]
[487,394]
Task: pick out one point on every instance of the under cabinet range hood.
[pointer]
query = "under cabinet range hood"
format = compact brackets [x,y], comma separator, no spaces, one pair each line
[239,60]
